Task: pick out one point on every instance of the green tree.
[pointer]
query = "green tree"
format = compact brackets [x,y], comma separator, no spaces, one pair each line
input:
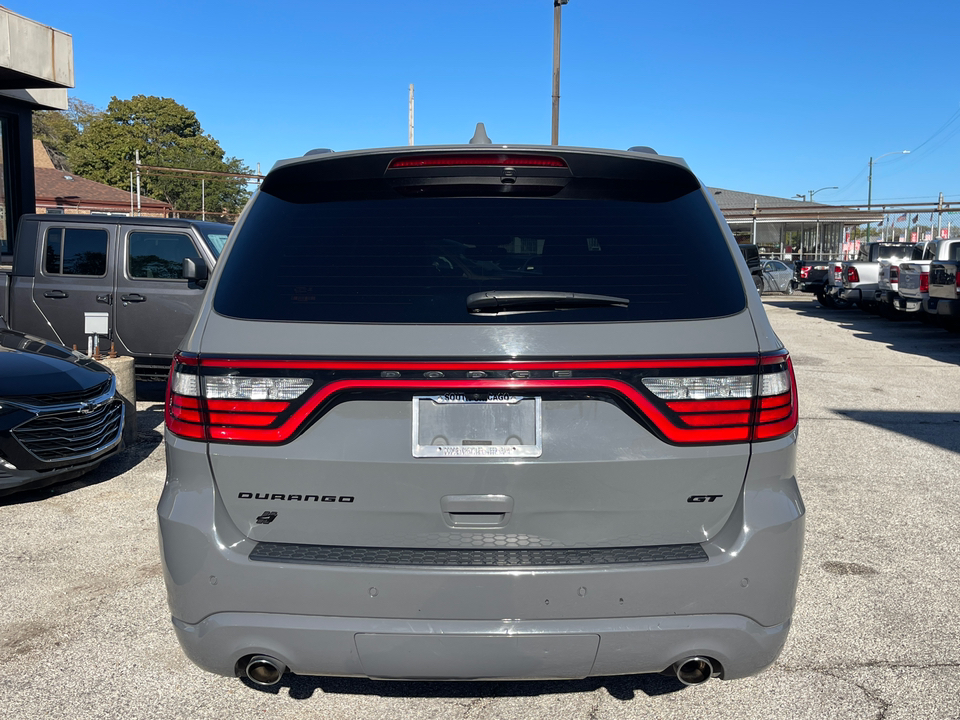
[60,130]
[167,134]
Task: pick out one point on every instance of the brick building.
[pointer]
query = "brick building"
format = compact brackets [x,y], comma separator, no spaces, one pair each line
[62,192]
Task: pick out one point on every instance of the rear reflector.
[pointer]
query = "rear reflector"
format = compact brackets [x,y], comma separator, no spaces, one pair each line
[476,159]
[684,401]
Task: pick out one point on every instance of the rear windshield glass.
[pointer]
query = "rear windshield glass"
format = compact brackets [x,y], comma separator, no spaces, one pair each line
[416,260]
[895,251]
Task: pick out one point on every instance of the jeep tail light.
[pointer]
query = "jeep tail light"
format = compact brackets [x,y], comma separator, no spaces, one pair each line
[925,282]
[684,401]
[852,275]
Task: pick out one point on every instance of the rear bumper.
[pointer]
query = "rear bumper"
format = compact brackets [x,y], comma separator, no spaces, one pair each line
[945,307]
[887,297]
[864,293]
[906,304]
[478,650]
[418,622]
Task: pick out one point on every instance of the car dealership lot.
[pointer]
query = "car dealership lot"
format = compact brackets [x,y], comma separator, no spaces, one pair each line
[84,630]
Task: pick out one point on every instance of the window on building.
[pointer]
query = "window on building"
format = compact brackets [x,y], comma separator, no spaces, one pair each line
[76,251]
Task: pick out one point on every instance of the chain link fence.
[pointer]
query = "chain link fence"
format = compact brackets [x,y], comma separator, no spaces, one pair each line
[901,226]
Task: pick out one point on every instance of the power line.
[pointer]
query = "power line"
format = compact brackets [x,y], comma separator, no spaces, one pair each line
[952,119]
[248,176]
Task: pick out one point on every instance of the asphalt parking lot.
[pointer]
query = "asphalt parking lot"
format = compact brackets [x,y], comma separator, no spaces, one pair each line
[84,630]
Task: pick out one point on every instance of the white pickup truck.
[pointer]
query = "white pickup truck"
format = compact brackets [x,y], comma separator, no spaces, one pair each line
[861,277]
[913,293]
[888,281]
[944,301]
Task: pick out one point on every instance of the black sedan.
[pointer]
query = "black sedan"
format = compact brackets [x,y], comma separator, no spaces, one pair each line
[60,415]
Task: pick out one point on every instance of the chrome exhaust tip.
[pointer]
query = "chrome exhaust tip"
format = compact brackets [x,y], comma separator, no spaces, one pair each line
[264,670]
[693,670]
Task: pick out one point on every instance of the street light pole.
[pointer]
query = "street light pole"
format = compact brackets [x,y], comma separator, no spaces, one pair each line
[870,182]
[814,192]
[557,15]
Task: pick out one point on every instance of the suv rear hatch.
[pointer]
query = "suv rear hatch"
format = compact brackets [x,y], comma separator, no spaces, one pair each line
[478,349]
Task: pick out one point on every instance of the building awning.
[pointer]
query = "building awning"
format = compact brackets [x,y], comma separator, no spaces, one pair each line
[36,62]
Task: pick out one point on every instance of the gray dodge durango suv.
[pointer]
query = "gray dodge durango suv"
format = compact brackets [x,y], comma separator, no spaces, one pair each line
[452,413]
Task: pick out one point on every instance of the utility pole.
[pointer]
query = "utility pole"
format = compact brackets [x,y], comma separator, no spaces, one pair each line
[137,155]
[870,182]
[869,193]
[557,16]
[410,122]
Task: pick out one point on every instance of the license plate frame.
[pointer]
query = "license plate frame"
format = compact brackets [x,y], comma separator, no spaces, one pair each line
[493,418]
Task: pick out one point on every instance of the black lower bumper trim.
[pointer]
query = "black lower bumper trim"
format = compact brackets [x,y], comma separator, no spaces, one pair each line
[488,557]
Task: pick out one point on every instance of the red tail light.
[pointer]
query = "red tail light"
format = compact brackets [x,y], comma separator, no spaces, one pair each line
[688,401]
[477,159]
[894,274]
[852,275]
[804,272]
[924,282]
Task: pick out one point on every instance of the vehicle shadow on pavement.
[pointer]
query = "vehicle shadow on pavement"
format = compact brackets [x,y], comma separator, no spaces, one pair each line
[903,334]
[934,428]
[623,687]
[149,436]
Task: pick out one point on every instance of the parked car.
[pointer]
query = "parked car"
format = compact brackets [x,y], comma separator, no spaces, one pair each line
[751,255]
[830,296]
[396,451]
[60,415]
[943,299]
[777,277]
[913,292]
[888,295]
[810,276]
[861,277]
[130,268]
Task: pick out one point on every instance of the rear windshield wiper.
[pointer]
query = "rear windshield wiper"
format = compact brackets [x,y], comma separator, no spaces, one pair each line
[494,301]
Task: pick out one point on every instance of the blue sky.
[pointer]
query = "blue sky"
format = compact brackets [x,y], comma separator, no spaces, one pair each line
[765,97]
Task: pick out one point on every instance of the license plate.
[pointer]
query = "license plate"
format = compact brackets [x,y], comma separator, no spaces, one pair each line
[476,425]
